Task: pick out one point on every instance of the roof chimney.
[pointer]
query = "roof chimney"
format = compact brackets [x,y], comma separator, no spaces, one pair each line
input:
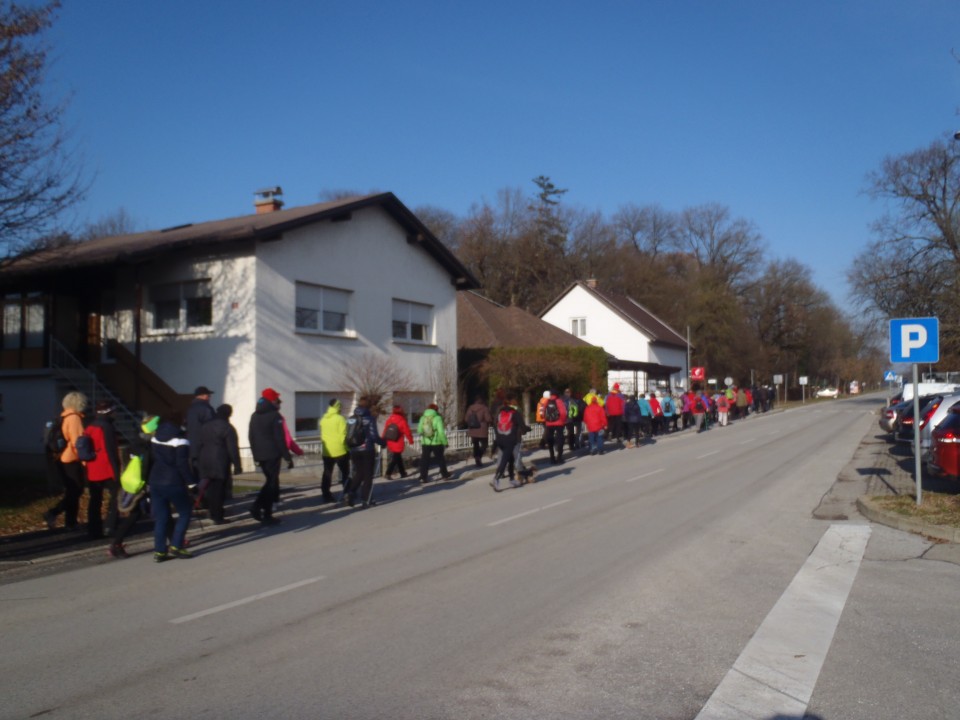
[268,200]
[592,283]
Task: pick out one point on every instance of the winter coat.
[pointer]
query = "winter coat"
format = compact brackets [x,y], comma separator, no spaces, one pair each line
[219,449]
[267,442]
[170,464]
[508,441]
[199,412]
[645,409]
[439,434]
[669,406]
[631,412]
[483,416]
[72,423]
[614,404]
[655,407]
[371,438]
[333,432]
[106,466]
[589,398]
[396,446]
[562,420]
[594,418]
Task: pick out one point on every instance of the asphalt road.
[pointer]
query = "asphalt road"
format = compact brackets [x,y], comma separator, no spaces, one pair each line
[681,579]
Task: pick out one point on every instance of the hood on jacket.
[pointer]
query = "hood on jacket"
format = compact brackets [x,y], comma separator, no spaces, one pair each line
[430,412]
[166,432]
[265,406]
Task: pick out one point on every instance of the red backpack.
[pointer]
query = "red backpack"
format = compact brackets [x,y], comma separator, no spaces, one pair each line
[505,422]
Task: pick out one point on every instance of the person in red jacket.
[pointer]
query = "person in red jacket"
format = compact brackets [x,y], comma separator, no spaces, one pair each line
[595,420]
[396,431]
[103,472]
[554,418]
[614,406]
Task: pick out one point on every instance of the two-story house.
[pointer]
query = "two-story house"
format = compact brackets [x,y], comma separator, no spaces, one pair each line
[284,298]
[647,353]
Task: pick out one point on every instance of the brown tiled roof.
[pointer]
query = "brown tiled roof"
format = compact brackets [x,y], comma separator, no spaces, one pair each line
[632,311]
[483,324]
[144,246]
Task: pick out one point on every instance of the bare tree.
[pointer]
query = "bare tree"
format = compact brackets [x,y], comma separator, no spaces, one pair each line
[376,377]
[39,179]
[729,248]
[443,382]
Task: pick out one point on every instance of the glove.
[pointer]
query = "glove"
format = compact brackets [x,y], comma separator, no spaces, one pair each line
[289,464]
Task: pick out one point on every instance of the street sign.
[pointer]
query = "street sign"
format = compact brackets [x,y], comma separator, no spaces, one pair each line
[803,379]
[778,379]
[915,340]
[697,373]
[889,376]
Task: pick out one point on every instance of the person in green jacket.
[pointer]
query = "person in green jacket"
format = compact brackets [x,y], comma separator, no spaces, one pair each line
[433,443]
[333,439]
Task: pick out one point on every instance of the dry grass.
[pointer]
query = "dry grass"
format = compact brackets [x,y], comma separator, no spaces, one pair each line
[936,508]
[23,502]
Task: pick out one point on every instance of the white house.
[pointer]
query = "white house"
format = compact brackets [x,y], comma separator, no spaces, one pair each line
[284,298]
[647,353]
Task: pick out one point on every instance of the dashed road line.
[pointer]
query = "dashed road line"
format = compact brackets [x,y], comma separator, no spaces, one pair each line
[714,452]
[528,512]
[646,474]
[244,601]
[748,440]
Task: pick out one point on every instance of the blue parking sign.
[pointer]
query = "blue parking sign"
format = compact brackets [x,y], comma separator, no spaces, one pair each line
[915,340]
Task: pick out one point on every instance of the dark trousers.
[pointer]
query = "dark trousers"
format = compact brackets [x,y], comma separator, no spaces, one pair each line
[573,434]
[126,523]
[214,492]
[507,463]
[553,437]
[615,427]
[95,507]
[361,481]
[479,448]
[433,451]
[396,464]
[633,431]
[72,479]
[329,463]
[161,498]
[270,492]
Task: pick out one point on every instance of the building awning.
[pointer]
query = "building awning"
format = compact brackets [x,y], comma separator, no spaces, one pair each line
[655,370]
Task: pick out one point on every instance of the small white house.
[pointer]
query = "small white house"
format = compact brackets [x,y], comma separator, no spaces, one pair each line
[647,353]
[288,299]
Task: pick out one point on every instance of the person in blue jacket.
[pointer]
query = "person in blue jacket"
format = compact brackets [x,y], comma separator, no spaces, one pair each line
[363,457]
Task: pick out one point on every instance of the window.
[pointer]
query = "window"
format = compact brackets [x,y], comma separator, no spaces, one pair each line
[311,406]
[321,308]
[412,321]
[23,319]
[578,326]
[179,307]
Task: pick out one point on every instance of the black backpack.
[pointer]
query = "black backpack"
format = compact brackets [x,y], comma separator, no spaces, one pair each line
[356,436]
[473,422]
[86,451]
[551,413]
[392,433]
[53,437]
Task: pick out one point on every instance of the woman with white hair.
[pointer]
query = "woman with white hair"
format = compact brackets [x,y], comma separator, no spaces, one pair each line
[69,467]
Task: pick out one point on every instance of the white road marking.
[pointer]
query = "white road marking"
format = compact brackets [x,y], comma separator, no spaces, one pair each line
[244,601]
[750,440]
[528,512]
[777,671]
[700,457]
[640,477]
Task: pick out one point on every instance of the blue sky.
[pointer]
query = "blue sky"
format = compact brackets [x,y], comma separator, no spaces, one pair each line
[181,110]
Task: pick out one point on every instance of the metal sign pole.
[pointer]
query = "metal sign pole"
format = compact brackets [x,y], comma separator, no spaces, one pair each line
[918,470]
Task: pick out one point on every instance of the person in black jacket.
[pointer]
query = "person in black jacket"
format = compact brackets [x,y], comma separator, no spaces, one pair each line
[218,450]
[170,476]
[363,457]
[269,447]
[199,412]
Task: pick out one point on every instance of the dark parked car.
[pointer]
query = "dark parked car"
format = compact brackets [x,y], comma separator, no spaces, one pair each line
[928,404]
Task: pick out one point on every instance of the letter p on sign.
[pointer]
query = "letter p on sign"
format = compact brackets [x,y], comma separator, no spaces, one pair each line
[915,340]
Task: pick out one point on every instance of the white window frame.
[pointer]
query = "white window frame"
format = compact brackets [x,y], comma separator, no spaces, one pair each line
[305,425]
[179,295]
[409,319]
[24,318]
[578,327]
[325,305]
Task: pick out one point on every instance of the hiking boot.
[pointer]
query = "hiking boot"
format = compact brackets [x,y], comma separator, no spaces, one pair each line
[256,514]
[117,551]
[329,498]
[271,520]
[495,484]
[180,553]
[161,557]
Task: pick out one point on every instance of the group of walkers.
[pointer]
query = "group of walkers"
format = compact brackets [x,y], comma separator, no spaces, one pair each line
[182,466]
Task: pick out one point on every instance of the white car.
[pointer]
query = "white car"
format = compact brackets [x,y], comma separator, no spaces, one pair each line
[827,393]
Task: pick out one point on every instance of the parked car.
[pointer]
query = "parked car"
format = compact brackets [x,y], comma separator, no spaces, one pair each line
[827,392]
[945,450]
[930,422]
[905,425]
[890,416]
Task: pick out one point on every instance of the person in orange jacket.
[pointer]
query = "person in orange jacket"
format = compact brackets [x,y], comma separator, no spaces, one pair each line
[69,468]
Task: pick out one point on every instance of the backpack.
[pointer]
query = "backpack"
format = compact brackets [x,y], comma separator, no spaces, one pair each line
[427,428]
[505,422]
[131,479]
[355,432]
[86,452]
[667,405]
[551,413]
[573,409]
[392,433]
[53,438]
[473,422]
